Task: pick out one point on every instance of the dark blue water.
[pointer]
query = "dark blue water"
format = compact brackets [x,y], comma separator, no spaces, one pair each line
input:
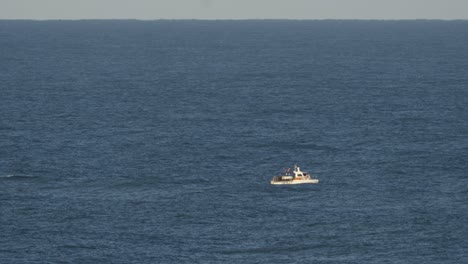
[154,142]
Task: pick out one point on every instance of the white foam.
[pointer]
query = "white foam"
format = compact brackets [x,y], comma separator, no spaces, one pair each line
[16,176]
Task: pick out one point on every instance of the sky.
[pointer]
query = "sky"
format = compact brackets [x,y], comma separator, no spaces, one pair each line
[233,9]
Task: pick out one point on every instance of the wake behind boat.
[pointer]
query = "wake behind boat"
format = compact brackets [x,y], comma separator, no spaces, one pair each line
[299,177]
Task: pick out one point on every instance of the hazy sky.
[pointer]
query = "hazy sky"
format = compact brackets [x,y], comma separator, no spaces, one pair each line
[234,9]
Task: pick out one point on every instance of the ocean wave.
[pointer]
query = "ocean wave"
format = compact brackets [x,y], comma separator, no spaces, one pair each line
[266,250]
[16,176]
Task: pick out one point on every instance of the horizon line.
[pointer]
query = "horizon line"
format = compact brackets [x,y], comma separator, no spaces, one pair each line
[235,19]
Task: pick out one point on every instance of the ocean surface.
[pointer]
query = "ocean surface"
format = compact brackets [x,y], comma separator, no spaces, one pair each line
[155,141]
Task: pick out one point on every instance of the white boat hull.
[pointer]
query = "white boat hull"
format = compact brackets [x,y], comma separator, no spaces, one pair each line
[313,181]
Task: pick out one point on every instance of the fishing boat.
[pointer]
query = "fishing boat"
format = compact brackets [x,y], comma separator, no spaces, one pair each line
[298,177]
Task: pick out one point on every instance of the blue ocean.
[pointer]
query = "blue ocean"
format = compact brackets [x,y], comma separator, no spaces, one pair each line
[125,141]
